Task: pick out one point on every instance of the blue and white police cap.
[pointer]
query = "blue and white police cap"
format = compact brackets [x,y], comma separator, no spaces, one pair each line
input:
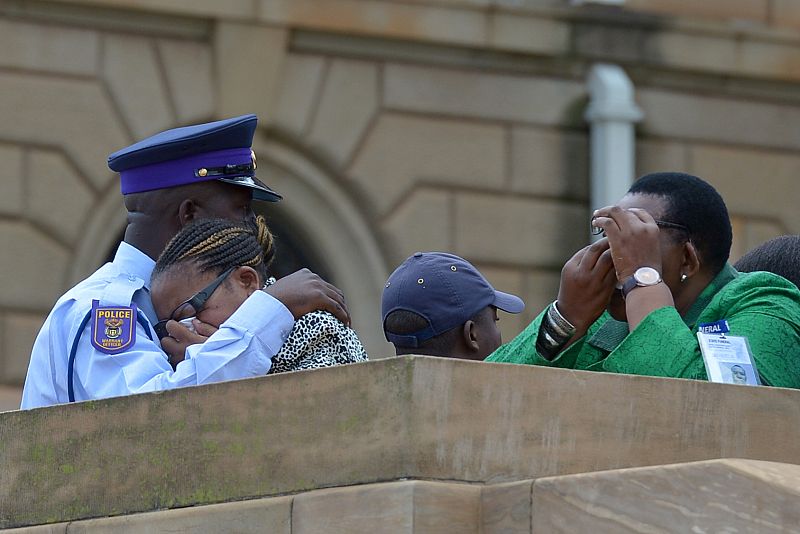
[218,150]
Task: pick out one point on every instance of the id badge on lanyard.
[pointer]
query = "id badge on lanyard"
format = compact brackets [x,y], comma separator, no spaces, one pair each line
[728,359]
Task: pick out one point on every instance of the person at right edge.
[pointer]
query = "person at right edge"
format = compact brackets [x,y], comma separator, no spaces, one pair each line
[632,301]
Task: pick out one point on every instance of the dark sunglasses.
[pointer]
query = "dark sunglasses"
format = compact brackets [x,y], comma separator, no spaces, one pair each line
[194,305]
[596,230]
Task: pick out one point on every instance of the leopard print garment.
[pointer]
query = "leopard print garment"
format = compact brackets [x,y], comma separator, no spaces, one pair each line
[318,339]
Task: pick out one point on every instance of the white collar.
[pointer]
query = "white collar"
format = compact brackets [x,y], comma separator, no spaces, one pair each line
[131,260]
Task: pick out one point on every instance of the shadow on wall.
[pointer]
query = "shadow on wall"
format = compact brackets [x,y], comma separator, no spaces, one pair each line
[575,153]
[292,252]
[10,397]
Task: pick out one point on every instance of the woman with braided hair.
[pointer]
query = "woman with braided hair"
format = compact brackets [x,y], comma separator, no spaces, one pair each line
[212,266]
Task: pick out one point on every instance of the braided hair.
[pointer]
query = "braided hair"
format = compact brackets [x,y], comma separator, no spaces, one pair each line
[219,244]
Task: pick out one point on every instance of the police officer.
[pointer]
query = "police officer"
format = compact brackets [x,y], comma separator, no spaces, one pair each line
[99,341]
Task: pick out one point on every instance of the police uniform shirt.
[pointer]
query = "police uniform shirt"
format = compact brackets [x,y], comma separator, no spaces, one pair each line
[242,347]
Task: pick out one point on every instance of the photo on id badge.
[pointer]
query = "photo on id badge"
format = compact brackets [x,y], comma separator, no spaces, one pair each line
[737,373]
[728,359]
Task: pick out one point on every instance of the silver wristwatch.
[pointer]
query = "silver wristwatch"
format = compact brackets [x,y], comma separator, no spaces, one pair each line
[643,277]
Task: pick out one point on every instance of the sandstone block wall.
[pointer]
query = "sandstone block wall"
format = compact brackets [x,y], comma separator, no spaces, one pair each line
[716,495]
[402,418]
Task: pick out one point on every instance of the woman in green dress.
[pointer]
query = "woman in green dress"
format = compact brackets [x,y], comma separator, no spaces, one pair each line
[632,301]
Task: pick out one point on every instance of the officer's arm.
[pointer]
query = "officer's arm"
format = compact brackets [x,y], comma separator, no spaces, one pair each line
[242,347]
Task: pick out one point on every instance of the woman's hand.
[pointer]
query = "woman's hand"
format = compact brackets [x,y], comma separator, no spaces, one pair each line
[303,292]
[180,337]
[587,282]
[633,238]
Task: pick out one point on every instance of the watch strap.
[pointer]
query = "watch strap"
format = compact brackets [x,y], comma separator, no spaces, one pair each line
[640,279]
[628,285]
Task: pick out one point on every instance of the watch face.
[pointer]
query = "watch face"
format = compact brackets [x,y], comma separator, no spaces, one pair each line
[647,276]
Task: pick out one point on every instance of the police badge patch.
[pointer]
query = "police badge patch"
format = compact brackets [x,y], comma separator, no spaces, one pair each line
[113,327]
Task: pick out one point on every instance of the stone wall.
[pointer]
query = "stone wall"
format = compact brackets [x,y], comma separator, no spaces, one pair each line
[730,495]
[439,124]
[432,419]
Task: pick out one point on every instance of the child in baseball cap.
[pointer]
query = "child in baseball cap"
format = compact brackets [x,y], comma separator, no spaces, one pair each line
[438,304]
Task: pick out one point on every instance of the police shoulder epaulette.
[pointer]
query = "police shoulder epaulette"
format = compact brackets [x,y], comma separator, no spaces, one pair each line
[119,291]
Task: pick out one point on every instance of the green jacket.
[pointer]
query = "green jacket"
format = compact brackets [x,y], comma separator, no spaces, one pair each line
[761,306]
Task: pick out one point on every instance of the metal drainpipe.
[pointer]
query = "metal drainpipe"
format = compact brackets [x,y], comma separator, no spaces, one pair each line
[612,114]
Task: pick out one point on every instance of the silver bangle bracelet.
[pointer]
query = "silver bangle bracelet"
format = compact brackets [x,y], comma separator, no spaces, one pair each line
[559,321]
[552,337]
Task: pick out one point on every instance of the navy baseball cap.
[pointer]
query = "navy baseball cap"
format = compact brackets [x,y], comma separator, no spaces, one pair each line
[445,290]
[218,150]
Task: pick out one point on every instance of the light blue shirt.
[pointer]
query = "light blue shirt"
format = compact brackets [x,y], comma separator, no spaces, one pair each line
[242,347]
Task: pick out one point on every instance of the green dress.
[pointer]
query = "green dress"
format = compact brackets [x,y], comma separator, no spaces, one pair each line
[761,306]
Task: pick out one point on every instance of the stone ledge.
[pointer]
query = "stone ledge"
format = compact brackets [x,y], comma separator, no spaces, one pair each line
[409,506]
[737,495]
[409,417]
[727,495]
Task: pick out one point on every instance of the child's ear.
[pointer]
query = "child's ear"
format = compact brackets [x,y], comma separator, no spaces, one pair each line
[469,333]
[248,278]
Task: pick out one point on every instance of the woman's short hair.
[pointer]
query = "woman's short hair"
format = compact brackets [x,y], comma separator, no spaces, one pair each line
[780,255]
[694,203]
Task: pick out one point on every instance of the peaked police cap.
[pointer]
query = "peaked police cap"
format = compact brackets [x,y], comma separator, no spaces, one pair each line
[218,150]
